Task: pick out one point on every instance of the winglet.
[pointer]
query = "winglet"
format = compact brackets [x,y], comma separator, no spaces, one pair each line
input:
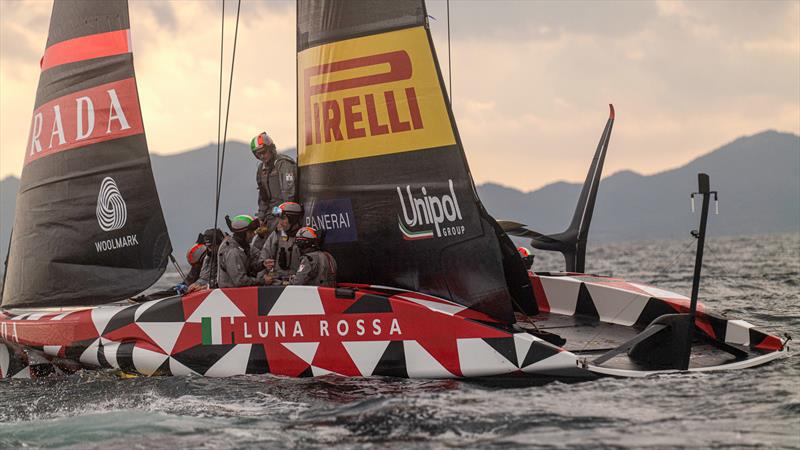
[572,241]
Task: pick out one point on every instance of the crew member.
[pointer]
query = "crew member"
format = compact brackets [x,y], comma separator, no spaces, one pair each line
[527,257]
[195,257]
[317,267]
[212,238]
[236,255]
[280,255]
[275,178]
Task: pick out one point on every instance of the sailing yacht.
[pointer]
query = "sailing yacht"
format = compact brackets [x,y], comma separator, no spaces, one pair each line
[431,286]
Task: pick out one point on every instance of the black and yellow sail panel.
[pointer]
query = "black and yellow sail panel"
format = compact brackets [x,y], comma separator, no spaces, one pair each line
[88,227]
[382,171]
[370,96]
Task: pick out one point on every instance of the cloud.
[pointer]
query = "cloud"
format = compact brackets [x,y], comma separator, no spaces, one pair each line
[747,19]
[514,19]
[162,12]
[18,34]
[16,44]
[251,11]
[684,84]
[531,80]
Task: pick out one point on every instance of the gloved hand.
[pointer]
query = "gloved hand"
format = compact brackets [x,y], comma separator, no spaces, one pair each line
[181,288]
[196,287]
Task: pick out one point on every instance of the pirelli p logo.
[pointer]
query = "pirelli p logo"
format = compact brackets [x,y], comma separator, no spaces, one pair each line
[370,96]
[330,121]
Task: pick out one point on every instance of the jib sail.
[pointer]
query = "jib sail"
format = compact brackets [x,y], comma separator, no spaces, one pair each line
[88,227]
[382,169]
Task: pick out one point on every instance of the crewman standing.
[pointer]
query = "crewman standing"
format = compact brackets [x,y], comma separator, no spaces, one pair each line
[275,177]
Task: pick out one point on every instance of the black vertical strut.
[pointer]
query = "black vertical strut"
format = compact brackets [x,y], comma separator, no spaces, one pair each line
[704,189]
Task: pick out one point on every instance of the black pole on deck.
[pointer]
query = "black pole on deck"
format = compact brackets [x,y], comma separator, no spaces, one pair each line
[704,189]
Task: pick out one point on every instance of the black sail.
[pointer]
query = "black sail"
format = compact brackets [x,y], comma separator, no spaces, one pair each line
[382,168]
[88,226]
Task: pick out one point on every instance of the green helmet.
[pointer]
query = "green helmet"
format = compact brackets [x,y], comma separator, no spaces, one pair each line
[241,223]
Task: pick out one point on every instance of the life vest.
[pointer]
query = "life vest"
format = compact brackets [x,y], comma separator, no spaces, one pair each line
[286,255]
[326,268]
[269,179]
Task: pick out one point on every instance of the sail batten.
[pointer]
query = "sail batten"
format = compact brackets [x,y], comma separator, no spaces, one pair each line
[378,151]
[88,227]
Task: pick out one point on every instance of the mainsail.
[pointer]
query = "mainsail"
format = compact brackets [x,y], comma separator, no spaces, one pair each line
[88,226]
[382,168]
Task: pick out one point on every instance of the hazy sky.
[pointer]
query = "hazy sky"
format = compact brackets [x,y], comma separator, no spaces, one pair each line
[531,79]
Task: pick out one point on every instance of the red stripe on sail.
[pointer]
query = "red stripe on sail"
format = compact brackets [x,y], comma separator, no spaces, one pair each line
[87,47]
[102,113]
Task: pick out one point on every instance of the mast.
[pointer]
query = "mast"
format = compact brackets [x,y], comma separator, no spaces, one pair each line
[88,227]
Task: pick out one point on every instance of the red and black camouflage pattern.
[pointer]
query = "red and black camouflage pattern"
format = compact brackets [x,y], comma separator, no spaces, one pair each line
[614,300]
[355,331]
[294,331]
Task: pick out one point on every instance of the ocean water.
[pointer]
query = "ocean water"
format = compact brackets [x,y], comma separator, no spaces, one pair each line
[756,278]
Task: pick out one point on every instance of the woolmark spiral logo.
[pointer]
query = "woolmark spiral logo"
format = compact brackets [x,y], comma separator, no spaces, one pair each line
[111,210]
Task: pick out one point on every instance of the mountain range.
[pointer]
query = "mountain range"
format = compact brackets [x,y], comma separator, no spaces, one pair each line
[758,179]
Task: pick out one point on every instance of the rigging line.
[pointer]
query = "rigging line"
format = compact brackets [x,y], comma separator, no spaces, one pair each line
[633,296]
[525,315]
[177,267]
[449,61]
[227,114]
[663,270]
[219,114]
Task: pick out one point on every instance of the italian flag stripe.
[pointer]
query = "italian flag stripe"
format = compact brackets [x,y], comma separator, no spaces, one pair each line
[206,322]
[409,235]
[212,331]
